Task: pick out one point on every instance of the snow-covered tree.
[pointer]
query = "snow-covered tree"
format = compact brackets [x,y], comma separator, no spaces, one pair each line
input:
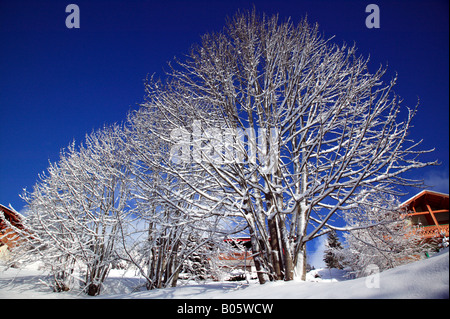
[174,231]
[275,125]
[75,210]
[382,235]
[333,253]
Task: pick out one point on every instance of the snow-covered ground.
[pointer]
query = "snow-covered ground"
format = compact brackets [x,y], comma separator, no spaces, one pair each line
[427,278]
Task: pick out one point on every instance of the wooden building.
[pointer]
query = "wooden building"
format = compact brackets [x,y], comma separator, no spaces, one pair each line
[239,259]
[8,237]
[429,211]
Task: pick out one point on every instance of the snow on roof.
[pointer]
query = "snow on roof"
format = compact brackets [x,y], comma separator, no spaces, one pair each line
[10,210]
[420,195]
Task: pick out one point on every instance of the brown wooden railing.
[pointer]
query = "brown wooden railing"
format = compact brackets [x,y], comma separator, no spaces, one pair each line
[433,231]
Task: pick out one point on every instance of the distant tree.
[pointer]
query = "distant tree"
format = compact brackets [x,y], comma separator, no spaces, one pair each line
[333,253]
[382,235]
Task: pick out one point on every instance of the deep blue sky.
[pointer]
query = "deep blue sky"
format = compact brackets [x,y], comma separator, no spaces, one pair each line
[57,84]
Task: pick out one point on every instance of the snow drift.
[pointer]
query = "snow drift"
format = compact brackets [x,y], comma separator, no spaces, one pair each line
[425,279]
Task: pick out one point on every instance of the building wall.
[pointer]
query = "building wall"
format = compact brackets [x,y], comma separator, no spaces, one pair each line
[4,253]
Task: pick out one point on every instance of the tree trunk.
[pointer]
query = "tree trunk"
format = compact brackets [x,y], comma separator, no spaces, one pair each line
[258,259]
[300,263]
[93,289]
[288,261]
[175,277]
[274,244]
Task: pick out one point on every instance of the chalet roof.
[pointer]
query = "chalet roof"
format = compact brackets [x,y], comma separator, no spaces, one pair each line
[11,214]
[430,196]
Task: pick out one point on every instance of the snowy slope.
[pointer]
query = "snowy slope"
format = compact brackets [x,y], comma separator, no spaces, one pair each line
[423,279]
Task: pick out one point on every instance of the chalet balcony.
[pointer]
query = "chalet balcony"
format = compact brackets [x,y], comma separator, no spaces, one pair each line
[433,231]
[429,212]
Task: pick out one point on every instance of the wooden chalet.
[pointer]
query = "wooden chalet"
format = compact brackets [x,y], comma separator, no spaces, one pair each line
[8,237]
[238,260]
[429,211]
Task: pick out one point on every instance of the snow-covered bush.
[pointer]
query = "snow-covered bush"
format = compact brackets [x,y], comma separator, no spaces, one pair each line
[75,211]
[382,235]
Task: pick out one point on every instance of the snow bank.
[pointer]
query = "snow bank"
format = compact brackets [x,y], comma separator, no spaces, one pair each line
[325,274]
[421,280]
[424,279]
